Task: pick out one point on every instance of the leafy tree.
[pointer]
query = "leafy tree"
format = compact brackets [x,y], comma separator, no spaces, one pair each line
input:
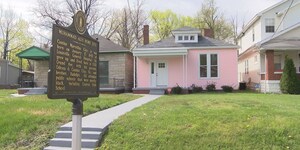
[210,17]
[289,82]
[163,22]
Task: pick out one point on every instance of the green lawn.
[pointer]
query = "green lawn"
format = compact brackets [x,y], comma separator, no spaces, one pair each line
[210,121]
[29,122]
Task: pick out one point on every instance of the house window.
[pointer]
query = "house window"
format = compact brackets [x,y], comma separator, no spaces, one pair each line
[103,71]
[152,68]
[277,62]
[270,25]
[253,35]
[208,65]
[186,38]
[246,67]
[203,65]
[255,58]
[161,65]
[179,38]
[192,38]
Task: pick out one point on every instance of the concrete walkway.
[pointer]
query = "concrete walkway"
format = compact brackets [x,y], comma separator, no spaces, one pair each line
[94,125]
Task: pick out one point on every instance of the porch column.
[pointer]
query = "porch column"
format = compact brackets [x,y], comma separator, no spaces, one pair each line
[134,71]
[269,65]
[20,72]
[183,72]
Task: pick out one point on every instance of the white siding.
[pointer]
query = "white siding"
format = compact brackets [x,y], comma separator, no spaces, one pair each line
[291,18]
[254,69]
[247,41]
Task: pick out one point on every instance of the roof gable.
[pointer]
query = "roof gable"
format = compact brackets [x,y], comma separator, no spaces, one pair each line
[34,53]
[258,16]
[187,30]
[105,45]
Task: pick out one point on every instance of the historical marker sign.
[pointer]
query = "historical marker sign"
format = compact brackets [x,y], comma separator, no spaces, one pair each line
[73,61]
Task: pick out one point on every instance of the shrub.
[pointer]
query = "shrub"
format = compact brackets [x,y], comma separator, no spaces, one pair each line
[176,90]
[289,81]
[196,89]
[211,86]
[227,88]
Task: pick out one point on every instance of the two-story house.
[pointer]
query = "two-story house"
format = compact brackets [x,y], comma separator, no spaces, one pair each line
[185,58]
[265,41]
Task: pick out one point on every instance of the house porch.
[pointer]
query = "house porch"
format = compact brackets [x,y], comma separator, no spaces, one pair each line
[272,64]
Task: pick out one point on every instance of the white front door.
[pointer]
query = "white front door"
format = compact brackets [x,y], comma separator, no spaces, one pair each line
[159,74]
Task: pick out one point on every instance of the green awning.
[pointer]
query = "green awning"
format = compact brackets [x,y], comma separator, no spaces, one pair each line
[34,53]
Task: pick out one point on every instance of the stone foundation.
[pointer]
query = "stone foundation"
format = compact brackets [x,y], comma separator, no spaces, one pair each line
[270,86]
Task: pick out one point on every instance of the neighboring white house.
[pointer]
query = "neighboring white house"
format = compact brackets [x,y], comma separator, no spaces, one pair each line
[265,41]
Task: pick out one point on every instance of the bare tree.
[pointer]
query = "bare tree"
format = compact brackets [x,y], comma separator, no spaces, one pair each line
[214,20]
[99,21]
[235,25]
[209,14]
[130,25]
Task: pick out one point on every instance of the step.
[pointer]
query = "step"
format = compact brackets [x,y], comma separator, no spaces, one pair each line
[64,148]
[67,142]
[84,134]
[83,129]
[157,92]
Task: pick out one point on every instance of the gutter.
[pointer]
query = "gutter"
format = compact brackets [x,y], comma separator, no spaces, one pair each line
[189,48]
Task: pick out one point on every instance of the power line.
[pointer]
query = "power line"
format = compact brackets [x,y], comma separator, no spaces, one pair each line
[283,17]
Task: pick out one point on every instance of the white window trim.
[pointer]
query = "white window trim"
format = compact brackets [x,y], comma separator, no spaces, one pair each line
[208,66]
[188,40]
[256,61]
[246,66]
[269,24]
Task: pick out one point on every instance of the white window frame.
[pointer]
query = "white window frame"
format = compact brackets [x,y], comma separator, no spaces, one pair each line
[179,38]
[269,22]
[247,66]
[208,63]
[183,40]
[253,35]
[280,60]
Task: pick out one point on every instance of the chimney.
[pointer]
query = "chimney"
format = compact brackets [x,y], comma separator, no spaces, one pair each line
[146,34]
[208,33]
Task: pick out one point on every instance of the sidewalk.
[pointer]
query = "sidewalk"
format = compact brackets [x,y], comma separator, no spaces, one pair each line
[94,125]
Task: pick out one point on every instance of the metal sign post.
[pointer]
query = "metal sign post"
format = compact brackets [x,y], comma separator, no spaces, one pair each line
[77,112]
[74,69]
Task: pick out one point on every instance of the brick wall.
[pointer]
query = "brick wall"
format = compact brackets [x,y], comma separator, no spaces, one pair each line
[41,73]
[129,72]
[120,66]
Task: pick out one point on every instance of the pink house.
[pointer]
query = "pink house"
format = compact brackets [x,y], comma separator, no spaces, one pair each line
[185,58]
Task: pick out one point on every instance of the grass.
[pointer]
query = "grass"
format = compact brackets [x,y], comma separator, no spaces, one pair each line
[29,122]
[210,121]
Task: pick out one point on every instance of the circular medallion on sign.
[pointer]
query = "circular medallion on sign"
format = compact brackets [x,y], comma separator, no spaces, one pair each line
[80,22]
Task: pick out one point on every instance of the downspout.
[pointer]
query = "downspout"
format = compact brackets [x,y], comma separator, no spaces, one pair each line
[265,73]
[20,73]
[6,81]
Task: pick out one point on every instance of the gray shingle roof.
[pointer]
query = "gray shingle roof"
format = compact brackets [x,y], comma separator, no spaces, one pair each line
[202,42]
[186,28]
[105,45]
